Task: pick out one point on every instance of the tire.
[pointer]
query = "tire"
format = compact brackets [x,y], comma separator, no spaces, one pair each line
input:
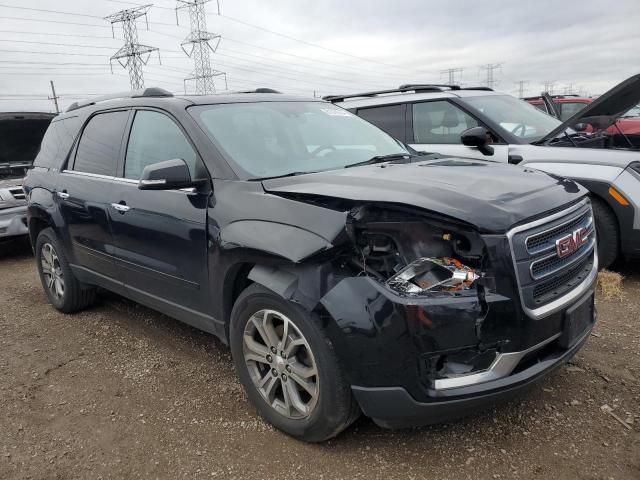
[325,414]
[63,289]
[607,233]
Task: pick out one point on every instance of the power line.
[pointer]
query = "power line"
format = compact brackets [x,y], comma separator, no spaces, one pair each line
[289,37]
[44,10]
[79,45]
[60,22]
[22,32]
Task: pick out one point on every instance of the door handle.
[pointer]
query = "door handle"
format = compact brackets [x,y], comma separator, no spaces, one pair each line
[120,207]
[62,195]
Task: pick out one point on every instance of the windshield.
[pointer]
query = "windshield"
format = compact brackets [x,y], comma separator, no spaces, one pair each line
[269,139]
[515,116]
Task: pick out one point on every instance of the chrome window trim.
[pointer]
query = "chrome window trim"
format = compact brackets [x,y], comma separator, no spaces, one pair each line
[563,301]
[503,365]
[87,174]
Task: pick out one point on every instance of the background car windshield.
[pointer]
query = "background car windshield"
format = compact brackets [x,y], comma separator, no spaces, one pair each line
[268,139]
[515,116]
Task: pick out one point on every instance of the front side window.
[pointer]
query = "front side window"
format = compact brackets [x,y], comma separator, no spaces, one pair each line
[99,146]
[155,138]
[440,122]
[268,139]
[514,116]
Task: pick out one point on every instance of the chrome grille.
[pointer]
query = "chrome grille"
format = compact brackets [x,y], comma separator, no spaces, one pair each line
[543,276]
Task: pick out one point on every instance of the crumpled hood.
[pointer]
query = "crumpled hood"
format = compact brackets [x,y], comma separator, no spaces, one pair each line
[493,197]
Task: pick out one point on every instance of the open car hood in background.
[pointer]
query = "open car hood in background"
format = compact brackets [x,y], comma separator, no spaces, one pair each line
[20,137]
[605,110]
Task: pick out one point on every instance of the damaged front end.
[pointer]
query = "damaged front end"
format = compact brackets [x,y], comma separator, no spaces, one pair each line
[420,290]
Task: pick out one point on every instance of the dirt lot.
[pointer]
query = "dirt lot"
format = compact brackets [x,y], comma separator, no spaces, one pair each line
[124,392]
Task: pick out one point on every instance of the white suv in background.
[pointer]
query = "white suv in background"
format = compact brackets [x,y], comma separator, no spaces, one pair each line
[479,123]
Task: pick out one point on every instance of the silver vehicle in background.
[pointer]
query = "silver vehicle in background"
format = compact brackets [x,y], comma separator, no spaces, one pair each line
[476,122]
[20,138]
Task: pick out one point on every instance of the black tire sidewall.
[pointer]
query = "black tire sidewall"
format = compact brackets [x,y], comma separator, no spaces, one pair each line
[332,410]
[70,282]
[607,233]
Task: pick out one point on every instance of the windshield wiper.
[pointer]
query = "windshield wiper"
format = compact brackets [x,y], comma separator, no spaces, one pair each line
[382,159]
[290,174]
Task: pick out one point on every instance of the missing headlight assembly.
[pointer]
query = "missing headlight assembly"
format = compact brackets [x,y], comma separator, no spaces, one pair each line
[415,255]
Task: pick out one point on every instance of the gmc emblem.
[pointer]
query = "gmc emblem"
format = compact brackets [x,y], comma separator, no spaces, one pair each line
[572,242]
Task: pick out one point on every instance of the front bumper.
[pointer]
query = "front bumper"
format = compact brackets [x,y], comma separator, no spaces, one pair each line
[13,222]
[394,407]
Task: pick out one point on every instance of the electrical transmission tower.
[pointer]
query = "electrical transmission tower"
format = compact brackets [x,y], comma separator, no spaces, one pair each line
[451,74]
[198,45]
[490,80]
[522,87]
[549,85]
[132,55]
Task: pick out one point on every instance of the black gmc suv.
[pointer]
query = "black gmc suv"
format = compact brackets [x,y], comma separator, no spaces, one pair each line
[346,273]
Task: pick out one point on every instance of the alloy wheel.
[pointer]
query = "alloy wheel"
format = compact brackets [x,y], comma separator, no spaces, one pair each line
[51,270]
[281,364]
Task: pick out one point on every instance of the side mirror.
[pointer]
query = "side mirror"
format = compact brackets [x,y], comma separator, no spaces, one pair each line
[167,175]
[581,127]
[477,137]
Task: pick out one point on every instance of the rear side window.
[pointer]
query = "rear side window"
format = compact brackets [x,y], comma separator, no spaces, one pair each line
[440,122]
[99,145]
[389,118]
[57,142]
[569,109]
[155,138]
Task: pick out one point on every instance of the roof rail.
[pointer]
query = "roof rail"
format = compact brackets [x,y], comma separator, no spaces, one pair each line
[538,97]
[426,87]
[147,92]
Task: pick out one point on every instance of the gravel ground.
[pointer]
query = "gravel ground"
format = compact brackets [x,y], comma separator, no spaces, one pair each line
[121,391]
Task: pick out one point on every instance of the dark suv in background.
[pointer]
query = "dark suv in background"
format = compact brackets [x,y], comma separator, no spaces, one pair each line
[346,273]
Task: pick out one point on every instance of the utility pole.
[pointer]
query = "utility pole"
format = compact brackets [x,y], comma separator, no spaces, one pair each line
[200,42]
[132,55]
[54,97]
[490,80]
[522,87]
[549,86]
[451,74]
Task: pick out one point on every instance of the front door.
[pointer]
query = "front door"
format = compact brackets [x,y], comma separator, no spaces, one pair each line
[437,126]
[161,236]
[85,193]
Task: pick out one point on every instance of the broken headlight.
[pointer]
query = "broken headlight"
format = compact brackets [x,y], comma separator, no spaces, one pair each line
[433,275]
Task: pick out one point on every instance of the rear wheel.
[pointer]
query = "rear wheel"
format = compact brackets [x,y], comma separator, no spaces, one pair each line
[288,367]
[607,233]
[63,289]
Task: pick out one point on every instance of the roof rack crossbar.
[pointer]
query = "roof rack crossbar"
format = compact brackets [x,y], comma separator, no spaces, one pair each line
[147,92]
[411,87]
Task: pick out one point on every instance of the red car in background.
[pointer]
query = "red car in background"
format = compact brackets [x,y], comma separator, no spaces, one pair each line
[564,107]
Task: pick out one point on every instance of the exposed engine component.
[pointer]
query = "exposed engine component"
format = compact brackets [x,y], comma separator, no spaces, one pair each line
[433,274]
[414,255]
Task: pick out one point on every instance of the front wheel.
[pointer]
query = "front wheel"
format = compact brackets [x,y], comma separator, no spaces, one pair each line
[288,367]
[607,233]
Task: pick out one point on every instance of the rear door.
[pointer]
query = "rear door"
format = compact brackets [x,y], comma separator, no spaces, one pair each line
[85,193]
[161,236]
[436,126]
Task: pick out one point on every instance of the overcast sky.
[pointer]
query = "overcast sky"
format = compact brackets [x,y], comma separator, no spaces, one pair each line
[365,45]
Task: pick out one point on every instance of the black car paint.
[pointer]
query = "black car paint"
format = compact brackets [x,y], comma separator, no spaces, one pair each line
[188,254]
